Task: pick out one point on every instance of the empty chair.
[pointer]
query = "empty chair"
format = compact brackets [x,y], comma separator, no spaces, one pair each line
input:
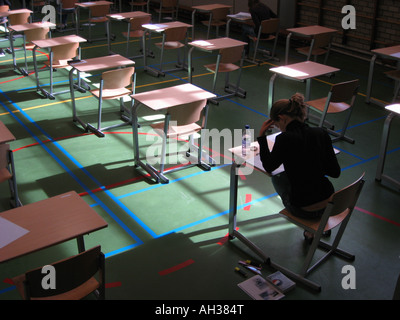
[337,213]
[66,8]
[168,7]
[182,121]
[113,85]
[75,278]
[19,18]
[217,19]
[174,39]
[98,14]
[226,63]
[7,173]
[136,31]
[268,31]
[140,4]
[341,98]
[320,45]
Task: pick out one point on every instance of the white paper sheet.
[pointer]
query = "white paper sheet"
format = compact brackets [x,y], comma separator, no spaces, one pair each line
[10,232]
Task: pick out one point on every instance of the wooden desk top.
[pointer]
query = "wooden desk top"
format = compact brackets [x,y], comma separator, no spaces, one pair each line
[5,134]
[160,27]
[52,42]
[304,70]
[311,30]
[100,63]
[172,96]
[216,44]
[210,7]
[50,222]
[31,26]
[11,12]
[393,51]
[128,15]
[92,3]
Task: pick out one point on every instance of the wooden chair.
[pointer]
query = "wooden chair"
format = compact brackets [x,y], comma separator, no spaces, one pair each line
[268,31]
[32,35]
[98,14]
[174,39]
[4,21]
[7,173]
[341,98]
[19,18]
[336,214]
[226,63]
[68,7]
[141,4]
[75,278]
[113,85]
[136,31]
[168,7]
[182,121]
[217,19]
[320,45]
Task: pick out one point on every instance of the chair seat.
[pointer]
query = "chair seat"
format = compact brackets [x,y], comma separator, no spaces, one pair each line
[313,224]
[334,107]
[58,63]
[4,175]
[393,74]
[133,34]
[98,19]
[223,67]
[170,45]
[76,294]
[317,51]
[176,131]
[111,93]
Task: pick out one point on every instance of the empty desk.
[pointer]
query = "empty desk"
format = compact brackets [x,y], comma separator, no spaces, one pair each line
[51,44]
[90,65]
[302,71]
[46,223]
[308,32]
[25,28]
[392,53]
[126,17]
[394,112]
[160,100]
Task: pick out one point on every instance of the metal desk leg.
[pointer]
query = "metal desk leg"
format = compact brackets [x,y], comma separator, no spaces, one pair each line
[190,64]
[271,92]
[287,48]
[370,76]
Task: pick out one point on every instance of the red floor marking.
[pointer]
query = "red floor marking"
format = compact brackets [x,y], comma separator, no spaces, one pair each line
[248,200]
[397,224]
[225,238]
[176,268]
[113,284]
[8,281]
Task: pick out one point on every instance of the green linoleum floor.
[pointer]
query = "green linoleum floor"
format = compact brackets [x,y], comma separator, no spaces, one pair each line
[155,227]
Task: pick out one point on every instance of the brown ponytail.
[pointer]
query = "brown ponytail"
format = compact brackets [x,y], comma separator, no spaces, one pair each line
[293,107]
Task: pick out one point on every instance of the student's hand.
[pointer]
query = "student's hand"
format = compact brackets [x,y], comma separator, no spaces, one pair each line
[265,126]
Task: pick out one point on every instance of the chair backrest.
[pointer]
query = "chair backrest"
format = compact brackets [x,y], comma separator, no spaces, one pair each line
[231,55]
[322,40]
[176,34]
[344,91]
[220,14]
[36,34]
[169,3]
[100,10]
[4,149]
[4,8]
[346,198]
[68,4]
[70,274]
[19,18]
[65,52]
[187,113]
[118,78]
[270,26]
[136,23]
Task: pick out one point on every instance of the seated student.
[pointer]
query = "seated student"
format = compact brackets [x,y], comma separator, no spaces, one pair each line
[307,155]
[259,12]
[3,19]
